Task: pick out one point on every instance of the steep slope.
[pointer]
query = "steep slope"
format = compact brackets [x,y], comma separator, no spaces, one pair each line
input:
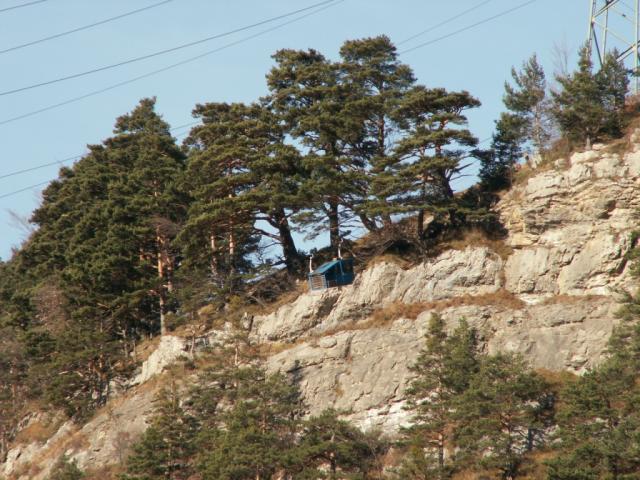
[550,294]
[553,299]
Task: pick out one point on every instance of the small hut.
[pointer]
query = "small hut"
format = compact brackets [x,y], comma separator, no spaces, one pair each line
[332,274]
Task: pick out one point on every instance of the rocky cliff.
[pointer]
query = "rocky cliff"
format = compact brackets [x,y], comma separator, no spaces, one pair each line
[549,293]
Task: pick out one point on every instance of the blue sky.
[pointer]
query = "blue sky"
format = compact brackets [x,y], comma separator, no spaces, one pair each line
[478,60]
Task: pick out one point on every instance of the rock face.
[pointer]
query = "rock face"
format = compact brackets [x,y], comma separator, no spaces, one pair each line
[472,272]
[552,298]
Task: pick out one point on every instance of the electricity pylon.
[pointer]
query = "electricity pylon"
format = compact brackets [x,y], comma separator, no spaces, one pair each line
[615,24]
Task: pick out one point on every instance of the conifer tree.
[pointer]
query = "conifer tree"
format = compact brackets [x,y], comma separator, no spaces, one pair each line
[306,92]
[331,445]
[527,101]
[250,437]
[240,173]
[102,253]
[498,163]
[376,82]
[500,415]
[443,372]
[589,105]
[599,424]
[167,447]
[66,470]
[432,153]
[155,205]
[613,79]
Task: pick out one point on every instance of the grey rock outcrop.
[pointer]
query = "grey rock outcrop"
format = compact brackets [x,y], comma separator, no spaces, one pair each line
[569,229]
[455,273]
[550,295]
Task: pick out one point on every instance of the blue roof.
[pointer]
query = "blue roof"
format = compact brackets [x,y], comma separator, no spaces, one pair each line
[324,268]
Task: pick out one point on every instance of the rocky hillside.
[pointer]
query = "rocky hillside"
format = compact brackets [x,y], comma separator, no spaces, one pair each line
[549,292]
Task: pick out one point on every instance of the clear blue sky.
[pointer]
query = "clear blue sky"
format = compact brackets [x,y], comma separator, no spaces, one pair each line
[478,60]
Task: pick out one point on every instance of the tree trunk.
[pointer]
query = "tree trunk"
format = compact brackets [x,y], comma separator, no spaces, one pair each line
[441,456]
[368,223]
[420,224]
[165,270]
[292,258]
[334,226]
[215,266]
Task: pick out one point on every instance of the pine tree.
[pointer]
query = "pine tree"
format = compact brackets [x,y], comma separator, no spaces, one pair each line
[613,79]
[498,164]
[66,470]
[599,423]
[97,271]
[332,448]
[251,177]
[443,372]
[500,415]
[589,105]
[432,153]
[155,205]
[527,101]
[251,420]
[306,92]
[375,81]
[167,447]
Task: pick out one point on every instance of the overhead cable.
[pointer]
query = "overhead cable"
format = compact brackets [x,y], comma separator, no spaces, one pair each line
[162,52]
[22,5]
[84,27]
[469,27]
[76,157]
[167,68]
[443,23]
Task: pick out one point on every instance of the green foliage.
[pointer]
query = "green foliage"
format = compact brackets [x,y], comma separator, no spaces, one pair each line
[527,100]
[527,121]
[471,412]
[251,418]
[240,172]
[168,445]
[66,470]
[599,422]
[96,273]
[590,106]
[430,155]
[502,415]
[238,423]
[443,372]
[498,163]
[332,448]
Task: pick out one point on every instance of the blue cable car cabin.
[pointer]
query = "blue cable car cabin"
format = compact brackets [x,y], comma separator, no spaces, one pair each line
[332,274]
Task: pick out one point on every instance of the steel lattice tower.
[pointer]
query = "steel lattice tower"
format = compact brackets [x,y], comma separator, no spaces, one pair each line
[615,24]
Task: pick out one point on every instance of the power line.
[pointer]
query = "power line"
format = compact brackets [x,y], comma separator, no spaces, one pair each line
[76,157]
[84,27]
[5,195]
[330,4]
[161,52]
[38,167]
[469,27]
[444,22]
[22,5]
[72,158]
[167,68]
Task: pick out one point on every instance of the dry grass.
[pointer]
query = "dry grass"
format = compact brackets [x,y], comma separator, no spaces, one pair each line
[478,238]
[393,259]
[397,310]
[265,350]
[39,431]
[105,473]
[572,299]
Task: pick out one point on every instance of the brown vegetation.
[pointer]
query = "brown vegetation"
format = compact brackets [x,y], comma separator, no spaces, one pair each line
[479,238]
